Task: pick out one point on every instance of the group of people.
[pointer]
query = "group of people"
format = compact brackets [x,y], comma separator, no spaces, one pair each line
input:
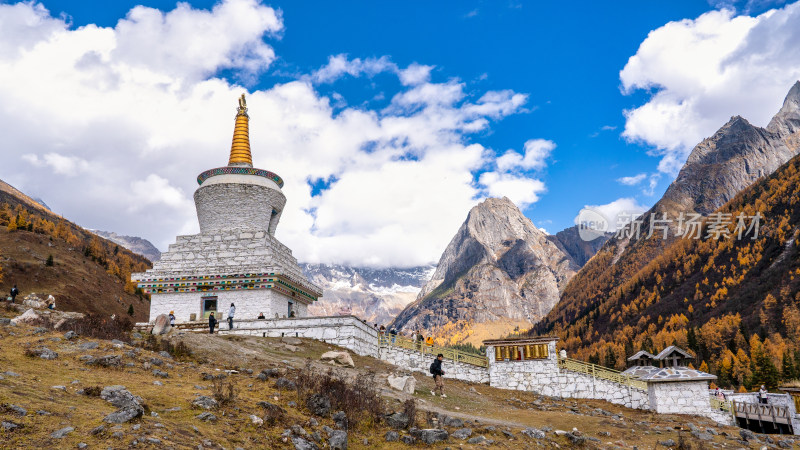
[212,321]
[50,302]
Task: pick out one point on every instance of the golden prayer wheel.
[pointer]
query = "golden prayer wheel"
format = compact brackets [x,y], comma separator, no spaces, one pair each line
[528,352]
[545,351]
[498,353]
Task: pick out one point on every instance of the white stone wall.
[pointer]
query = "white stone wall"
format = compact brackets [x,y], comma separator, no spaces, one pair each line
[249,303]
[685,397]
[344,331]
[228,206]
[416,361]
[544,377]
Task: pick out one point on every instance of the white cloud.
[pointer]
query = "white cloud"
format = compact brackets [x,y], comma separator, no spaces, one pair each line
[536,152]
[632,180]
[521,190]
[127,131]
[618,213]
[704,71]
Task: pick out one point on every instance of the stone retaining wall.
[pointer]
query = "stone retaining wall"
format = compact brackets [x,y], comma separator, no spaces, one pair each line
[544,377]
[416,361]
[344,331]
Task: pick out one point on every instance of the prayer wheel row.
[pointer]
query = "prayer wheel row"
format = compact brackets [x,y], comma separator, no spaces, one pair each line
[516,352]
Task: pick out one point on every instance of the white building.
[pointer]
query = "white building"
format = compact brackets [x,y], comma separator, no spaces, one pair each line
[235,258]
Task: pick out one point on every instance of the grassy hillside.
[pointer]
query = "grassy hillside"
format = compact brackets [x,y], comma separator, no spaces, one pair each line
[735,303]
[44,253]
[49,392]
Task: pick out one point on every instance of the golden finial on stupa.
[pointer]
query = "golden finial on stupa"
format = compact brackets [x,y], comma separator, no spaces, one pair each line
[240,148]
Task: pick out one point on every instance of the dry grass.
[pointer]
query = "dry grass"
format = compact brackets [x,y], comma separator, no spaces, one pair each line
[180,429]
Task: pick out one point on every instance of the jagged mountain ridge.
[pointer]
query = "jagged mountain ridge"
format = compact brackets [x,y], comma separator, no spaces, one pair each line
[376,295]
[579,250]
[718,169]
[498,272]
[135,244]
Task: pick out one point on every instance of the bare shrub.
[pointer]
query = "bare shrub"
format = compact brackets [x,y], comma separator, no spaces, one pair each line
[98,326]
[224,391]
[92,391]
[178,350]
[358,398]
[410,410]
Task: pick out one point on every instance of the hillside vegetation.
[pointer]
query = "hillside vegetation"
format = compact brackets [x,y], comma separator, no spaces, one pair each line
[44,253]
[734,303]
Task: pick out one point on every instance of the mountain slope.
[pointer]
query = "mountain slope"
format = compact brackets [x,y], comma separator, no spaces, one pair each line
[137,245]
[376,295]
[498,272]
[717,169]
[88,274]
[579,250]
[637,292]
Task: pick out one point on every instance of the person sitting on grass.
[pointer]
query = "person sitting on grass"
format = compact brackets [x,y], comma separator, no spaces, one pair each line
[438,374]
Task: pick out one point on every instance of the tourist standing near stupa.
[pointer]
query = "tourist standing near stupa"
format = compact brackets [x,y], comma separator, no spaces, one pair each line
[236,257]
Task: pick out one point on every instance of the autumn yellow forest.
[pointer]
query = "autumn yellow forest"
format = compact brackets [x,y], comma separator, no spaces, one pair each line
[734,303]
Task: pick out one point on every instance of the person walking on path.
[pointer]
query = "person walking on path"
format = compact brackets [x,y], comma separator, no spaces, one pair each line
[172,318]
[14,293]
[212,322]
[393,333]
[230,316]
[438,373]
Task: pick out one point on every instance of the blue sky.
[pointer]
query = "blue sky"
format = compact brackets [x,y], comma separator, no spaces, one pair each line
[566,60]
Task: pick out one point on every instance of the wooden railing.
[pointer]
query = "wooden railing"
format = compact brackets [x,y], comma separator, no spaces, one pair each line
[604,373]
[762,412]
[386,340]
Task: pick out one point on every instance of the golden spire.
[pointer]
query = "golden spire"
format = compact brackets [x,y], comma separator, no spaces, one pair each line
[240,148]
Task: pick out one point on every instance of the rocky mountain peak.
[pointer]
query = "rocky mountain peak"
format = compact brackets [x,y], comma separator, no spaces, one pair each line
[499,270]
[787,121]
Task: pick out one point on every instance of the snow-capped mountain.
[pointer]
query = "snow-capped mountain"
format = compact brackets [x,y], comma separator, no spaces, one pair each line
[376,295]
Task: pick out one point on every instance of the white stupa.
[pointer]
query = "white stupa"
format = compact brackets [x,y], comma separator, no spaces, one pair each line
[235,258]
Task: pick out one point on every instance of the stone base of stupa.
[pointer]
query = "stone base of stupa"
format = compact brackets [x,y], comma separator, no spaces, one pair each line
[203,273]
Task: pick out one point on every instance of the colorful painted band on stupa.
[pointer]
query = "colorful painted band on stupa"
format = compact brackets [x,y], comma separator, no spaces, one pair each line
[210,283]
[239,171]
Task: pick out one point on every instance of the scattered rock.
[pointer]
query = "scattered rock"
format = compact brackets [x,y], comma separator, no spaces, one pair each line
[105,361]
[405,384]
[11,374]
[44,353]
[59,388]
[97,430]
[152,440]
[161,325]
[302,444]
[255,420]
[391,436]
[299,431]
[9,426]
[62,432]
[398,420]
[164,354]
[533,433]
[476,440]
[341,358]
[462,433]
[702,436]
[340,420]
[285,383]
[338,440]
[291,340]
[83,445]
[429,435]
[158,383]
[576,438]
[69,335]
[747,435]
[452,422]
[508,434]
[4,321]
[129,406]
[89,346]
[117,343]
[319,405]
[668,443]
[784,444]
[206,416]
[26,317]
[408,440]
[18,410]
[160,374]
[205,402]
[136,335]
[156,362]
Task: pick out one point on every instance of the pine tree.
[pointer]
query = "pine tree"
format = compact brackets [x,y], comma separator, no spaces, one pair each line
[49,262]
[130,310]
[788,370]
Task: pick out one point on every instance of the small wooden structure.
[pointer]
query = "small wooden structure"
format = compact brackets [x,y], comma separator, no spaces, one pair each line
[673,356]
[642,358]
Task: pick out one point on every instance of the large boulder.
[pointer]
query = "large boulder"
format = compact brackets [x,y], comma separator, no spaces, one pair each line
[319,405]
[34,303]
[406,384]
[429,435]
[128,405]
[26,317]
[340,358]
[398,420]
[291,340]
[161,325]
